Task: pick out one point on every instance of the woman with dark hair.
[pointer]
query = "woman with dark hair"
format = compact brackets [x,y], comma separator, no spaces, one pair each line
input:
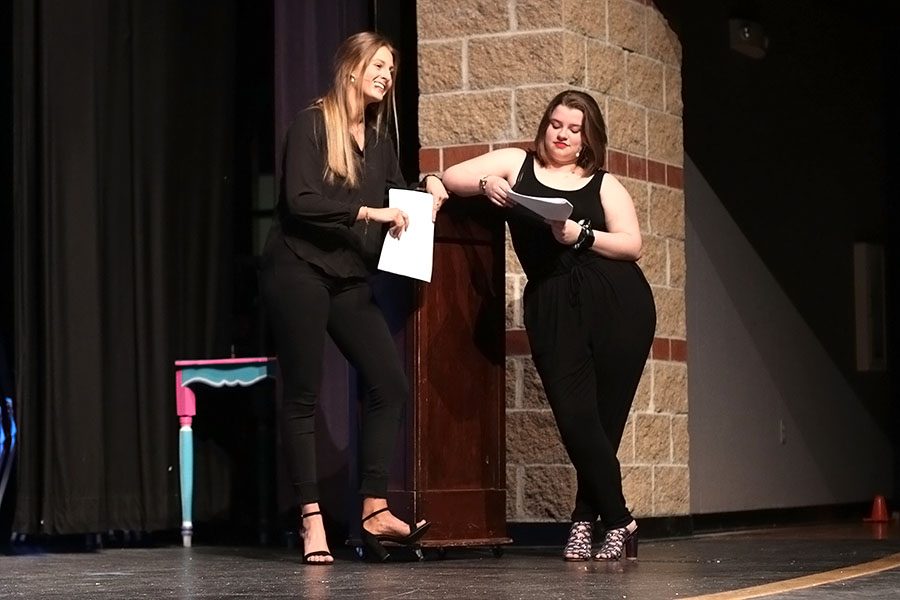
[338,164]
[589,311]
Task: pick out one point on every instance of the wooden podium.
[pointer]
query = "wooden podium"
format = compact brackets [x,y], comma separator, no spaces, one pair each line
[454,463]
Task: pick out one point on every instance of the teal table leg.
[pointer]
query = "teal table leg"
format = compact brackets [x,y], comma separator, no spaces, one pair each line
[186,462]
[186,404]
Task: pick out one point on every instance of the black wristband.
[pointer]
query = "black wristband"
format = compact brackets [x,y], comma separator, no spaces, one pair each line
[586,238]
[422,181]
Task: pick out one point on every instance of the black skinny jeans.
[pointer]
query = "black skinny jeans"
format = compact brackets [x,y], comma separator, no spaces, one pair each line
[302,305]
[590,332]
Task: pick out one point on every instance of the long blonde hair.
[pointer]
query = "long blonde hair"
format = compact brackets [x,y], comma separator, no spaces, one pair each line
[354,54]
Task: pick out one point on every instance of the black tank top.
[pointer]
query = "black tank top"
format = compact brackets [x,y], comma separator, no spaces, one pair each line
[538,251]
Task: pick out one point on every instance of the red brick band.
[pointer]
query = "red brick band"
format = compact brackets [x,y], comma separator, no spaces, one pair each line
[669,349]
[433,160]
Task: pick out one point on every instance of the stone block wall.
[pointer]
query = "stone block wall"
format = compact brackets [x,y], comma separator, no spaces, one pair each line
[486,69]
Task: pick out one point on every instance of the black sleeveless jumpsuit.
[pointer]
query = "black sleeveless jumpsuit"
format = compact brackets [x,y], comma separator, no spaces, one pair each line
[590,322]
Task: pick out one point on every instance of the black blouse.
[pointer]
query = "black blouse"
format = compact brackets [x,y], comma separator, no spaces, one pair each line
[317,219]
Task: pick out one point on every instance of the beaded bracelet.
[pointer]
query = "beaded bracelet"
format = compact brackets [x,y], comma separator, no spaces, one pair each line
[585,237]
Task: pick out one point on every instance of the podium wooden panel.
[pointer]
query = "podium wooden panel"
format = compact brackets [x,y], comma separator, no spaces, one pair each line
[455,463]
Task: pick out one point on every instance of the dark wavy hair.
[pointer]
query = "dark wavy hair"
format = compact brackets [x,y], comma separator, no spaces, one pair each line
[593,130]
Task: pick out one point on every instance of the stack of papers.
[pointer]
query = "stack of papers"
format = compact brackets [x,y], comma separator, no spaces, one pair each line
[412,253]
[555,209]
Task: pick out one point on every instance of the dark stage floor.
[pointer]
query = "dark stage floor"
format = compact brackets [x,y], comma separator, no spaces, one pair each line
[847,561]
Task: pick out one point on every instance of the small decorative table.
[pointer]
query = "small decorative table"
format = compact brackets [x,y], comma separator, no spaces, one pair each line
[229,372]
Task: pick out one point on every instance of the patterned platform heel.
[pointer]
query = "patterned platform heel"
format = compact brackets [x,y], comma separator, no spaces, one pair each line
[578,546]
[619,541]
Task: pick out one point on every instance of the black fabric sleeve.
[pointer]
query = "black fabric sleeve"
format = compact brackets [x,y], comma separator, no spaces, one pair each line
[304,169]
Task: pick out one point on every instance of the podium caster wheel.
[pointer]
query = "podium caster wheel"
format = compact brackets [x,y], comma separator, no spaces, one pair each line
[419,554]
[360,552]
[497,551]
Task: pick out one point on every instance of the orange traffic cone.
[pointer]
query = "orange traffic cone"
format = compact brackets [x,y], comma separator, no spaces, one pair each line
[879,511]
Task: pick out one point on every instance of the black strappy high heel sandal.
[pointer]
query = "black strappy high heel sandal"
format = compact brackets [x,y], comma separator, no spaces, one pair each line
[374,542]
[307,556]
[619,541]
[578,546]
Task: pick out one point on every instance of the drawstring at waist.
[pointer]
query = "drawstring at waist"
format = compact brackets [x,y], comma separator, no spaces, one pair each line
[576,276]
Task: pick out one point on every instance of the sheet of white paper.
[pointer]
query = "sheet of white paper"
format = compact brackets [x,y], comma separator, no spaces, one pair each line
[556,209]
[410,255]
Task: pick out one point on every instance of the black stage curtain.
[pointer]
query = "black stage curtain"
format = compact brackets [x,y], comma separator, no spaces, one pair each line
[306,37]
[122,194]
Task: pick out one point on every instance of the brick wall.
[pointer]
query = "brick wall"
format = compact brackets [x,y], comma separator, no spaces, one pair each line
[487,68]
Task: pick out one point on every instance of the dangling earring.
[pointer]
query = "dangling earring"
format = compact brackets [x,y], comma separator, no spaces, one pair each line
[577,154]
[352,79]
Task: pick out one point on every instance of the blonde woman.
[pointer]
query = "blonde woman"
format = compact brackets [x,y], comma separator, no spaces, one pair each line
[338,163]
